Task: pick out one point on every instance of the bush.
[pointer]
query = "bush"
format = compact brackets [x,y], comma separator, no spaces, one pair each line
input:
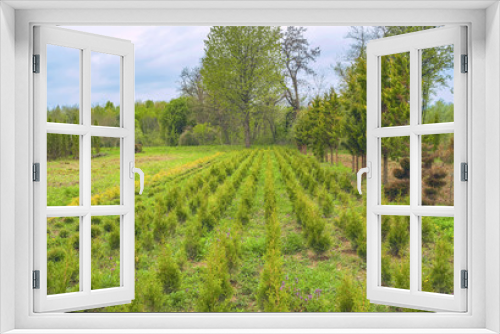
[399,235]
[187,138]
[169,273]
[441,275]
[95,231]
[347,295]
[75,242]
[192,243]
[216,290]
[63,233]
[401,273]
[114,240]
[108,226]
[56,255]
[181,212]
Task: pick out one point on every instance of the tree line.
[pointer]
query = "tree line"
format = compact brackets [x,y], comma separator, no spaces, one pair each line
[251,88]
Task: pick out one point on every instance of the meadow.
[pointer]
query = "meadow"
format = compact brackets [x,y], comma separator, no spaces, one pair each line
[230,229]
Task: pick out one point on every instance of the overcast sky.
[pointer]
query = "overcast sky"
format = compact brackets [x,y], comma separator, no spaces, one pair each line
[160,55]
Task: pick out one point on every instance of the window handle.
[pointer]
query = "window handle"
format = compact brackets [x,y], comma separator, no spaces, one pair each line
[368,171]
[134,170]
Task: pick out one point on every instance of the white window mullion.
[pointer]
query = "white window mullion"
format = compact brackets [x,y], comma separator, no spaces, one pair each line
[414,171]
[85,235]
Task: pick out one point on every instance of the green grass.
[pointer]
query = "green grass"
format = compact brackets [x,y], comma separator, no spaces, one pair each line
[171,280]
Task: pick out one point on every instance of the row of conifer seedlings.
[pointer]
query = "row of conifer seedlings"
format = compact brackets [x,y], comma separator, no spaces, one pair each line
[171,208]
[212,207]
[271,295]
[307,212]
[225,251]
[349,221]
[318,180]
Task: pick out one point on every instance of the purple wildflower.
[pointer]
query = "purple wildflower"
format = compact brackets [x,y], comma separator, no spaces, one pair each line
[310,296]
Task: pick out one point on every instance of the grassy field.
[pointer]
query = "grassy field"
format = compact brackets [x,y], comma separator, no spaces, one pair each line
[228,229]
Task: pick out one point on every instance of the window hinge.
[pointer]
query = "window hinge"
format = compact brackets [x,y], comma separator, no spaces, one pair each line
[464,172]
[36,63]
[465,279]
[36,172]
[465,64]
[36,279]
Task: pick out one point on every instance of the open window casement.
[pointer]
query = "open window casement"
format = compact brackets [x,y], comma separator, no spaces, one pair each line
[399,128]
[76,266]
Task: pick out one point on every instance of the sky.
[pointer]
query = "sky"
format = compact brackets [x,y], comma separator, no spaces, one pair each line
[161,52]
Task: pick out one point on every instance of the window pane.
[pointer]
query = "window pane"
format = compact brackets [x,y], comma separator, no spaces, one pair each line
[437,254]
[105,89]
[63,170]
[437,84]
[437,169]
[395,86]
[395,271]
[63,255]
[395,170]
[105,171]
[105,233]
[63,84]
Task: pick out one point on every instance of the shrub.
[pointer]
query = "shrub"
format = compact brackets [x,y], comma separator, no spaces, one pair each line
[63,233]
[355,228]
[114,240]
[386,275]
[108,226]
[231,241]
[168,273]
[56,255]
[95,231]
[181,212]
[160,227]
[243,214]
[326,203]
[192,243]
[96,220]
[212,184]
[346,295]
[441,274]
[401,272]
[399,235]
[75,242]
[216,290]
[187,138]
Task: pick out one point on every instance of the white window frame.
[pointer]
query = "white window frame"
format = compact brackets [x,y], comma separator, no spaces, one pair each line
[484,267]
[414,43]
[85,43]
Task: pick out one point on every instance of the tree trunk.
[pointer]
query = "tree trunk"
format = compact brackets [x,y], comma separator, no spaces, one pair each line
[384,178]
[357,162]
[352,164]
[247,132]
[331,155]
[337,156]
